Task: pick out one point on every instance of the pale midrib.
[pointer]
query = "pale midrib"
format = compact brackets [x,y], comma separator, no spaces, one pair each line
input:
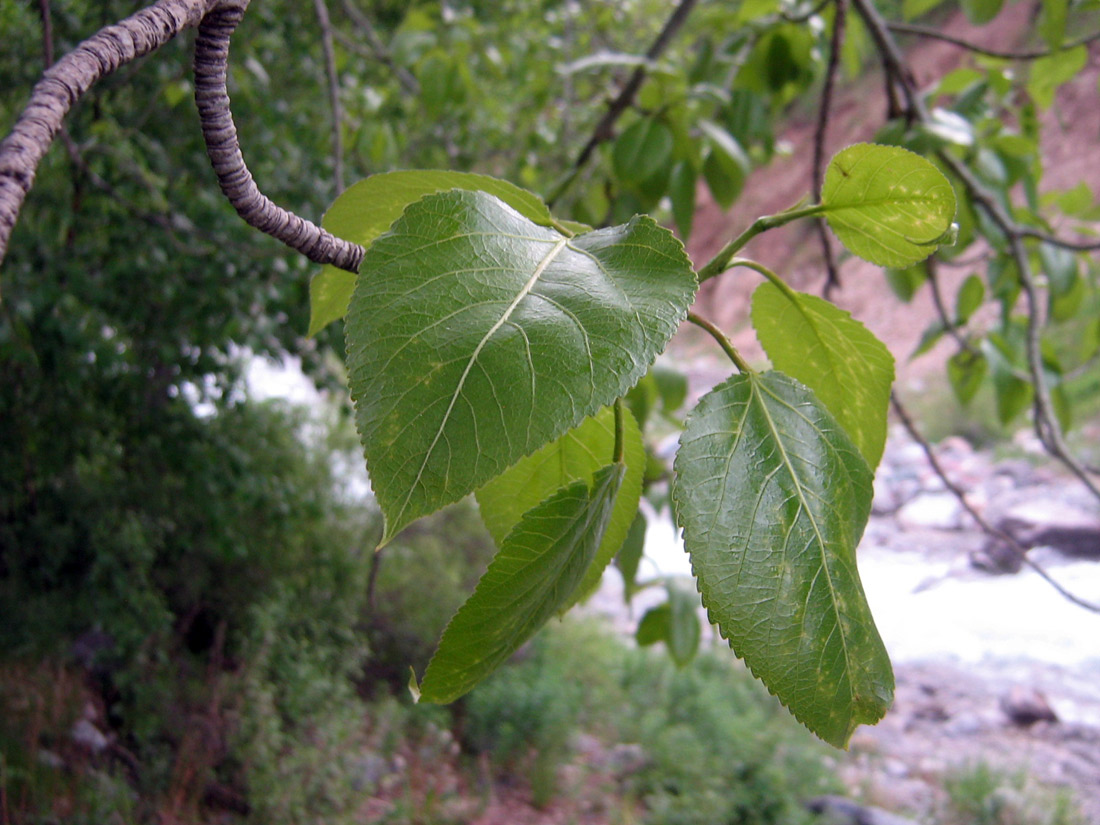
[523,293]
[817,532]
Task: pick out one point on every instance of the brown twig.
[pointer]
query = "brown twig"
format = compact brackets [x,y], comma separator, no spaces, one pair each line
[1014,546]
[605,128]
[840,17]
[333,94]
[1005,54]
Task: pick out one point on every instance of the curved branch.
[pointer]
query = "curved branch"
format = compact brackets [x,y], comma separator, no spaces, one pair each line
[66,81]
[223,148]
[1024,54]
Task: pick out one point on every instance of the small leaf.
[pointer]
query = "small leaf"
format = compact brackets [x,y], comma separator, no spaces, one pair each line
[965,371]
[653,627]
[1048,73]
[929,338]
[630,555]
[641,150]
[726,166]
[367,209]
[1013,394]
[672,387]
[536,571]
[1052,22]
[683,624]
[681,191]
[887,204]
[475,337]
[970,297]
[847,367]
[575,456]
[773,497]
[981,11]
[1060,266]
[905,282]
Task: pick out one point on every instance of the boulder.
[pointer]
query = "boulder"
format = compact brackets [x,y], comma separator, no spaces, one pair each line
[839,810]
[1026,706]
[1070,529]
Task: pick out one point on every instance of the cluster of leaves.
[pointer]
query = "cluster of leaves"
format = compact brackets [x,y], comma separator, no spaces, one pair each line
[489,347]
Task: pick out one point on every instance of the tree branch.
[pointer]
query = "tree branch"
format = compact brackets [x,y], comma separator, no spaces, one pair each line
[378,49]
[66,81]
[1025,54]
[223,147]
[333,94]
[832,277]
[605,128]
[1014,546]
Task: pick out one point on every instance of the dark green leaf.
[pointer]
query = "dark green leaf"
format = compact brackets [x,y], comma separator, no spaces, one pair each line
[683,624]
[475,337]
[965,371]
[1013,394]
[575,456]
[905,282]
[653,627]
[726,166]
[981,11]
[630,555]
[641,150]
[539,566]
[1060,266]
[886,204]
[929,338]
[367,209]
[681,191]
[847,367]
[773,497]
[970,297]
[672,386]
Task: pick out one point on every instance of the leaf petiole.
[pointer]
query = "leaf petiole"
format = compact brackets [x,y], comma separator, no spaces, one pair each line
[723,342]
[721,262]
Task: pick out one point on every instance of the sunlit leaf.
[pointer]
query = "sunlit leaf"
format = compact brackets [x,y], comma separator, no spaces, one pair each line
[539,566]
[886,204]
[773,497]
[847,367]
[475,337]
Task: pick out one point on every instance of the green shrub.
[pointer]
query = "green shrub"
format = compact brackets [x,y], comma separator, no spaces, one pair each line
[980,795]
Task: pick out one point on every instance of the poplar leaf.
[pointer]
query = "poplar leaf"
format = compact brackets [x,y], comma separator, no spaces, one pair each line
[575,456]
[773,497]
[847,367]
[538,568]
[366,209]
[476,336]
[886,204]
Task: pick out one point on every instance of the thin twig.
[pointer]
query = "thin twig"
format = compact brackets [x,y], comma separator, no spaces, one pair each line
[605,128]
[333,94]
[1005,54]
[378,49]
[840,17]
[1014,546]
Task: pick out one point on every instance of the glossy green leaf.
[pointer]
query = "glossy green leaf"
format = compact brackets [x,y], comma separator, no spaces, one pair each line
[575,456]
[887,204]
[641,150]
[965,372]
[970,297]
[475,337]
[653,627]
[539,566]
[726,166]
[847,367]
[773,497]
[630,555]
[367,209]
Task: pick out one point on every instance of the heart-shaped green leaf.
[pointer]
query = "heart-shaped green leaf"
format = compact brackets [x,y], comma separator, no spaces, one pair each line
[773,497]
[847,367]
[575,456]
[366,209]
[475,337]
[887,204]
[538,568]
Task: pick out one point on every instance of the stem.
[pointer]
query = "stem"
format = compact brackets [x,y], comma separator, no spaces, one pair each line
[723,342]
[617,456]
[721,262]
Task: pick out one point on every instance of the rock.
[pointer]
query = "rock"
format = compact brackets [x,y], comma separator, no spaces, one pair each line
[90,737]
[996,556]
[626,759]
[1026,706]
[1072,530]
[843,811]
[939,511]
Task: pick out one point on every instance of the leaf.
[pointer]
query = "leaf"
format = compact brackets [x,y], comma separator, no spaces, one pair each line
[726,167]
[1048,73]
[965,371]
[575,456]
[904,283]
[672,387]
[970,297]
[773,497]
[475,337]
[1060,266]
[630,555]
[981,11]
[1052,22]
[887,204]
[683,624]
[912,9]
[641,150]
[1013,394]
[929,338]
[653,627]
[847,367]
[681,191]
[366,209]
[536,571]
